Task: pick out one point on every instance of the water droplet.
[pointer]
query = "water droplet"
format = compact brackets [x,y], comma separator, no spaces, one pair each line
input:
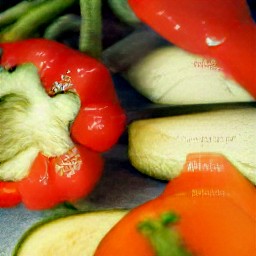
[212,41]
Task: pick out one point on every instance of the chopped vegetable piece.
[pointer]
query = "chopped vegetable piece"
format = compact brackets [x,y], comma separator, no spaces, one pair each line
[64,69]
[211,174]
[68,177]
[170,75]
[36,151]
[31,121]
[70,235]
[199,213]
[223,30]
[159,147]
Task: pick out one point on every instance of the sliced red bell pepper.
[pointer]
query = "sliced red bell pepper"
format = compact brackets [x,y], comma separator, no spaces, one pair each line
[219,29]
[62,68]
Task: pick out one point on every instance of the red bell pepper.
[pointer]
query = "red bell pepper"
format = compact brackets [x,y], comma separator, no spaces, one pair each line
[64,178]
[62,68]
[45,165]
[208,174]
[9,194]
[223,30]
[194,216]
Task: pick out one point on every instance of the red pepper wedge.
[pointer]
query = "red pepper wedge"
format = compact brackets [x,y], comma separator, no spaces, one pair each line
[208,224]
[64,178]
[212,174]
[63,68]
[223,30]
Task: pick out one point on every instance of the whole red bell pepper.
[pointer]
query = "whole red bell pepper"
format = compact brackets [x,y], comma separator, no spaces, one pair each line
[218,29]
[63,111]
[101,120]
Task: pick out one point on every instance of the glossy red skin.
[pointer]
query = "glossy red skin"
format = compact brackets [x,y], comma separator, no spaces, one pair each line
[208,226]
[76,173]
[104,119]
[216,209]
[44,187]
[38,189]
[190,23]
[213,174]
[51,182]
[90,79]
[9,194]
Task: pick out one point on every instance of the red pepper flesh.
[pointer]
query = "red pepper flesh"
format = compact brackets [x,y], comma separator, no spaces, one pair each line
[209,174]
[55,178]
[9,194]
[59,65]
[38,190]
[68,177]
[219,29]
[76,173]
[213,219]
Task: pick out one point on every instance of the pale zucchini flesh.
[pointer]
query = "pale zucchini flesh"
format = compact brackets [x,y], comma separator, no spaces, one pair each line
[170,75]
[158,147]
[74,235]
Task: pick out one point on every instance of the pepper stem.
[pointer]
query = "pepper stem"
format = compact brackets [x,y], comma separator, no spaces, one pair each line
[91,28]
[123,11]
[164,238]
[37,16]
[67,22]
[15,12]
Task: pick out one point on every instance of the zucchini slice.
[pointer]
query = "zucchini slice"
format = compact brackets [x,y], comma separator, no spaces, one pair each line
[158,147]
[72,235]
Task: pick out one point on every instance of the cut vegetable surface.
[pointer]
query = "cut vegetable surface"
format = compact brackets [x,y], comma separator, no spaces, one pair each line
[210,175]
[74,235]
[158,147]
[206,226]
[227,35]
[198,219]
[64,69]
[31,121]
[67,177]
[36,151]
[59,111]
[171,75]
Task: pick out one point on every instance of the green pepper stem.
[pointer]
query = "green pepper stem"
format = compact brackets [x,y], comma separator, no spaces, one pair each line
[164,239]
[37,16]
[15,12]
[91,28]
[68,22]
[123,11]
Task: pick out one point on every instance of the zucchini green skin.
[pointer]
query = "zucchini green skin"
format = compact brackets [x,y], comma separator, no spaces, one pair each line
[100,224]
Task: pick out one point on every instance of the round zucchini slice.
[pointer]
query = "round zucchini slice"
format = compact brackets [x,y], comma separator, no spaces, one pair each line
[72,235]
